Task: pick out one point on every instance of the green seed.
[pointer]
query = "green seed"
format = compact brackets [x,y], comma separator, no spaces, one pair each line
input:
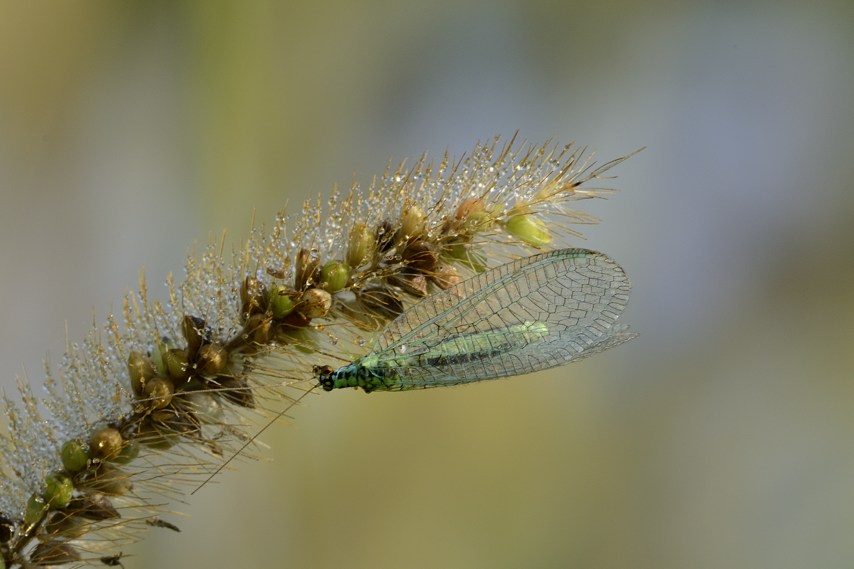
[466,256]
[252,294]
[36,507]
[472,213]
[74,456]
[161,348]
[413,221]
[259,329]
[106,443]
[529,229]
[194,331]
[158,392]
[334,276]
[306,269]
[129,452]
[281,303]
[176,363]
[213,359]
[58,490]
[457,251]
[360,246]
[140,370]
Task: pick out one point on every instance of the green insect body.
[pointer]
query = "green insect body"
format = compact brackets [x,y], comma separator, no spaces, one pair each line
[531,314]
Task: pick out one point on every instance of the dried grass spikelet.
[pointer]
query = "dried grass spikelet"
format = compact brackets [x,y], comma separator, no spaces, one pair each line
[138,408]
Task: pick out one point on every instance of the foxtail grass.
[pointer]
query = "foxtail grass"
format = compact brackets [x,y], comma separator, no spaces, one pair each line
[153,401]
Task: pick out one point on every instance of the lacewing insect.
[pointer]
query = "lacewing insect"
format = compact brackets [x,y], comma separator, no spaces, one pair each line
[531,314]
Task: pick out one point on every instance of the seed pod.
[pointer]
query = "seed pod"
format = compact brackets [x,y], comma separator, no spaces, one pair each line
[411,283]
[35,510]
[129,452]
[259,329]
[530,229]
[421,255]
[106,443]
[58,489]
[195,332]
[385,236]
[445,276]
[213,359]
[74,456]
[253,297]
[471,215]
[456,250]
[381,301]
[461,253]
[306,269]
[158,392]
[280,301]
[413,222]
[360,246]
[334,276]
[469,208]
[140,370]
[177,364]
[158,355]
[315,303]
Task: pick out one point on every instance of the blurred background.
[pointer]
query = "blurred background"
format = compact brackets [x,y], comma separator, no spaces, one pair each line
[720,438]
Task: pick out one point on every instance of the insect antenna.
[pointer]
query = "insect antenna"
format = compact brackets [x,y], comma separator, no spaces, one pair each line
[253,437]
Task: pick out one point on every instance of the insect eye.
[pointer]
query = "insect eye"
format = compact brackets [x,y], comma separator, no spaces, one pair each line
[322,371]
[324,376]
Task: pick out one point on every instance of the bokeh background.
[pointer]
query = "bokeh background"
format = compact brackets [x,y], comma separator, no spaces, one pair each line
[722,437]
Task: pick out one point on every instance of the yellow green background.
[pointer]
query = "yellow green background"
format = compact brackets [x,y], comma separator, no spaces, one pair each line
[722,437]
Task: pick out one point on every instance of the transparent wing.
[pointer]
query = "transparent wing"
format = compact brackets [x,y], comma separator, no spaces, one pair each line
[578,294]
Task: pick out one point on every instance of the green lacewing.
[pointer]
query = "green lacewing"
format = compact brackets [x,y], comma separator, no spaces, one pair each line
[531,314]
